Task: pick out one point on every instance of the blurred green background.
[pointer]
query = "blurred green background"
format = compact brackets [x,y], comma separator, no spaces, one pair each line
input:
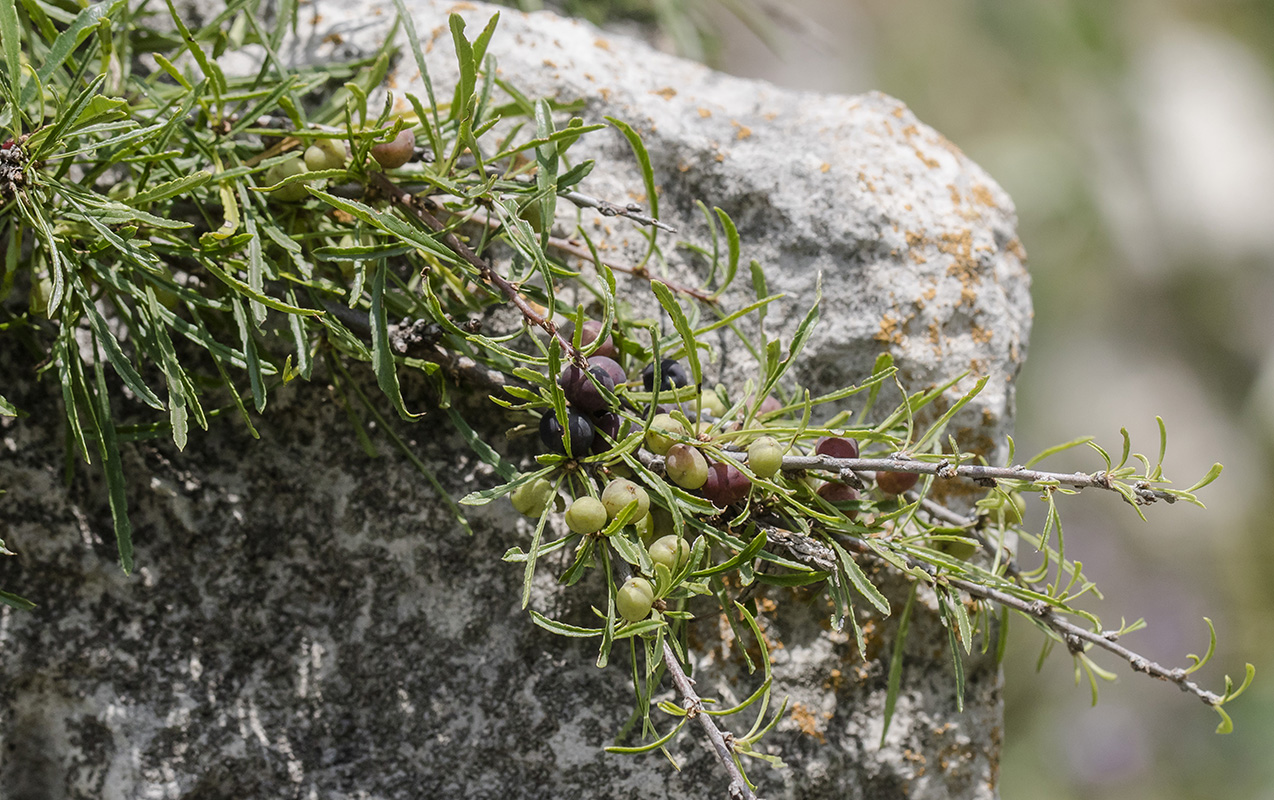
[1137,140]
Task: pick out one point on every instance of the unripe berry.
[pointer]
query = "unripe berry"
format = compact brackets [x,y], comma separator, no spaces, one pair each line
[532,498]
[293,192]
[765,456]
[657,440]
[670,551]
[686,466]
[710,403]
[619,493]
[586,515]
[634,599]
[393,154]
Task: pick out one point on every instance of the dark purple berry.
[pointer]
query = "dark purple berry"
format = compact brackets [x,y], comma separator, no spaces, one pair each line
[836,447]
[588,334]
[583,392]
[606,431]
[671,374]
[612,368]
[725,484]
[580,437]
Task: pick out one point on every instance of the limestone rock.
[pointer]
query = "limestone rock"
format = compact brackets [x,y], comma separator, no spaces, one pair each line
[308,622]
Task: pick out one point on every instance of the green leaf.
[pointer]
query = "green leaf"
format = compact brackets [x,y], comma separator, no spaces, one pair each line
[679,321]
[859,579]
[895,662]
[118,361]
[12,38]
[957,662]
[112,466]
[1213,473]
[655,745]
[382,357]
[732,240]
[20,603]
[172,188]
[563,629]
[7,409]
[745,555]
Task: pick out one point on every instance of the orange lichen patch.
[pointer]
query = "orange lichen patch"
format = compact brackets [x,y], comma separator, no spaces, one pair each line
[910,131]
[705,112]
[967,296]
[824,167]
[549,64]
[890,329]
[316,19]
[935,336]
[1015,247]
[980,334]
[601,44]
[605,93]
[666,93]
[963,266]
[719,157]
[899,111]
[770,116]
[955,194]
[683,167]
[982,194]
[744,132]
[834,680]
[929,293]
[809,722]
[977,367]
[931,163]
[462,7]
[333,38]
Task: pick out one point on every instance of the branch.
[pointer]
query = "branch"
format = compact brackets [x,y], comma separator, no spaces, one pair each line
[818,556]
[631,211]
[407,201]
[721,745]
[983,475]
[574,248]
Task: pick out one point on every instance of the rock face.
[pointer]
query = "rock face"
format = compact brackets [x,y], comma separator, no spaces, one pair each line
[308,622]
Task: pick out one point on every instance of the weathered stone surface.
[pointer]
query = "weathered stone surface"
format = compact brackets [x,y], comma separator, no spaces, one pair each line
[310,622]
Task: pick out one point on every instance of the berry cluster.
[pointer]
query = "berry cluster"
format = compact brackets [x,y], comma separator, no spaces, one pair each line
[331,154]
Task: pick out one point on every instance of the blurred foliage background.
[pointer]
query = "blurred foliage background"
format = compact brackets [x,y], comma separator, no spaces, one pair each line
[1137,140]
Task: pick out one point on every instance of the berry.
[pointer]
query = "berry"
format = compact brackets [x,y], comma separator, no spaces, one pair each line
[895,482]
[725,484]
[584,393]
[836,447]
[588,334]
[686,466]
[963,549]
[710,403]
[657,439]
[325,154]
[619,493]
[533,497]
[293,192]
[605,431]
[579,440]
[611,366]
[838,493]
[765,456]
[671,551]
[586,515]
[671,374]
[769,405]
[634,599]
[393,154]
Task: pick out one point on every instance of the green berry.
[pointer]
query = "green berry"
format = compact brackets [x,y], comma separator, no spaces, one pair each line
[533,497]
[671,551]
[586,515]
[619,493]
[634,599]
[686,466]
[711,403]
[293,192]
[657,439]
[765,456]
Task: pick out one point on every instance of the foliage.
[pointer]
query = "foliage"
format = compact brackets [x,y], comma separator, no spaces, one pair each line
[161,235]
